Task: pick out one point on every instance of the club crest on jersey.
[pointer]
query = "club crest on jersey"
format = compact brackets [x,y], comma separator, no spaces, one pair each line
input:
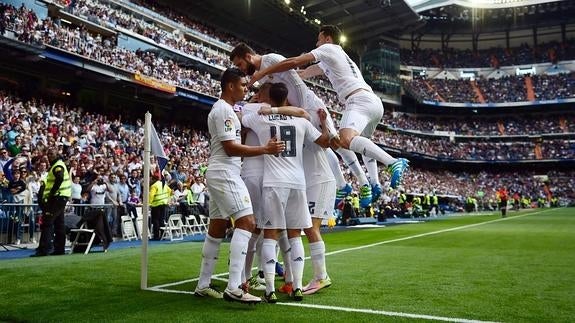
[228,125]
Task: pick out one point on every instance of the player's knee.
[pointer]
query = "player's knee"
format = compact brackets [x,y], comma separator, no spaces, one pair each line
[345,141]
[247,223]
[346,136]
[312,234]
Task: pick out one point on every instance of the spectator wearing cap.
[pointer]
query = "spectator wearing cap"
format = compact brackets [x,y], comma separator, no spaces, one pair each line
[25,150]
[4,157]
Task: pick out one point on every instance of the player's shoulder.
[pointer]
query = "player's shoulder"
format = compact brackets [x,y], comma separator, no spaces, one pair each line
[273,56]
[221,105]
[250,108]
[221,108]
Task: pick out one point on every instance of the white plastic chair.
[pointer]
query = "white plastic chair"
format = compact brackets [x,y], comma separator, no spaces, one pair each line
[83,230]
[204,223]
[128,229]
[191,225]
[139,225]
[173,228]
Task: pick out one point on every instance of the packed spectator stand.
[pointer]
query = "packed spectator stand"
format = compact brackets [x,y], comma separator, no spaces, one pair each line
[95,141]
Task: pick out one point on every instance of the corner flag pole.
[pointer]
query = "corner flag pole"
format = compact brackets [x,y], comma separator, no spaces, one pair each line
[145,203]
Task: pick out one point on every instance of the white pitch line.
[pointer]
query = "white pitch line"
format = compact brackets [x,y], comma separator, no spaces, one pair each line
[160,288]
[348,309]
[430,233]
[386,313]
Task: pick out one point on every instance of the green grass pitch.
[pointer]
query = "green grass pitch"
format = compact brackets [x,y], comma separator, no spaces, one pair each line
[476,268]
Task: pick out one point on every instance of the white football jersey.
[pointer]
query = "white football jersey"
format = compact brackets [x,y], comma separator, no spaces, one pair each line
[296,86]
[342,72]
[316,165]
[299,94]
[223,125]
[252,166]
[286,169]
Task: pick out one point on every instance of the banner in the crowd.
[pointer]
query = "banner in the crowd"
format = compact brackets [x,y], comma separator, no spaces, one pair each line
[155,84]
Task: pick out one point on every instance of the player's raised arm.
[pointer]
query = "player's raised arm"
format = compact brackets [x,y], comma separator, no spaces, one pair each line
[234,148]
[310,71]
[324,139]
[283,66]
[285,110]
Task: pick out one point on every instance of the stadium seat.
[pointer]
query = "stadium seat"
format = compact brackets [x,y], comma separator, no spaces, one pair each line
[173,229]
[192,226]
[139,222]
[80,231]
[204,222]
[128,229]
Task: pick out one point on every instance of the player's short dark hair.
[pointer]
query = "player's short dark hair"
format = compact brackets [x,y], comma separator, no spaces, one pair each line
[331,31]
[230,75]
[241,50]
[278,93]
[264,87]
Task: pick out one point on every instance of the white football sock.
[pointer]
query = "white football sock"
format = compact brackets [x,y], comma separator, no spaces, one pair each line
[351,161]
[285,248]
[269,261]
[238,251]
[317,253]
[336,170]
[298,260]
[368,148]
[372,171]
[247,273]
[210,252]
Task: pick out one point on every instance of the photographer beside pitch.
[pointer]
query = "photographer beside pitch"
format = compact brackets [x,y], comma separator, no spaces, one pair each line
[54,193]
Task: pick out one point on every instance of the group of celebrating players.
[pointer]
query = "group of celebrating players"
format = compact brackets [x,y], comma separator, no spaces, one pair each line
[290,177]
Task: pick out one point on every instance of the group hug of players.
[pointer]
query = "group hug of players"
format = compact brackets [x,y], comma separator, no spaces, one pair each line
[290,176]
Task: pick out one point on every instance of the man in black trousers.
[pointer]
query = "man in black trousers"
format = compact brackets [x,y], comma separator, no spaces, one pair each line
[55,191]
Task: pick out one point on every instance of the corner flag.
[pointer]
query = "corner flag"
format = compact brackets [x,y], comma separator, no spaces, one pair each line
[157,149]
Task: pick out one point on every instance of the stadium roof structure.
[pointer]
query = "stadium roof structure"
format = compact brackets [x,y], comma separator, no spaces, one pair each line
[422,5]
[482,16]
[288,25]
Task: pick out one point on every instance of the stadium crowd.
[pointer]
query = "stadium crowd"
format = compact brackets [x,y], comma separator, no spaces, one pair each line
[93,141]
[112,145]
[492,57]
[443,148]
[522,124]
[81,41]
[504,89]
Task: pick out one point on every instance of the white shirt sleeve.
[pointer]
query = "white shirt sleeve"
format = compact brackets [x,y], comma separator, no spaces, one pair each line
[310,131]
[225,126]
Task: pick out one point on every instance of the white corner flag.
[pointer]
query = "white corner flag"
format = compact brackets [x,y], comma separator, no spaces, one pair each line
[157,148]
[152,145]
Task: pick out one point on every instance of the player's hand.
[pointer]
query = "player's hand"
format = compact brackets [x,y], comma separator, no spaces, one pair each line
[274,147]
[265,111]
[335,142]
[256,77]
[322,115]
